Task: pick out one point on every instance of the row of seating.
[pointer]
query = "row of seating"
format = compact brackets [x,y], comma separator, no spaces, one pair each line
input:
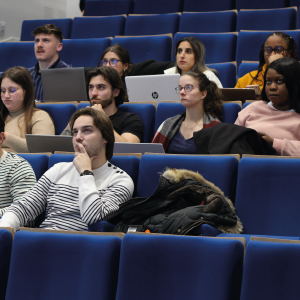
[135,25]
[152,118]
[81,266]
[115,7]
[264,189]
[220,47]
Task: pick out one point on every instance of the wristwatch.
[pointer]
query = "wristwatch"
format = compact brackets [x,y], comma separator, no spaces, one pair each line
[86,172]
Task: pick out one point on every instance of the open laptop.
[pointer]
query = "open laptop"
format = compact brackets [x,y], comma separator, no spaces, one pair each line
[63,85]
[152,87]
[238,94]
[49,143]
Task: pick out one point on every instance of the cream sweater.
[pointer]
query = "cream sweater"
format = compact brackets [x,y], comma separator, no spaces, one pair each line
[41,124]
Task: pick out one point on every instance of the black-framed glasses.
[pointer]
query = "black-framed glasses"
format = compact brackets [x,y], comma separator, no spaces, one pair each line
[10,90]
[187,88]
[277,50]
[112,62]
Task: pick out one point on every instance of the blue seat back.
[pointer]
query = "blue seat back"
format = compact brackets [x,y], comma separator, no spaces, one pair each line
[267,196]
[63,266]
[179,267]
[86,28]
[220,170]
[147,113]
[151,24]
[157,6]
[83,105]
[167,110]
[246,68]
[269,19]
[38,162]
[5,253]
[83,52]
[146,47]
[249,44]
[205,22]
[29,25]
[60,114]
[226,73]
[260,4]
[220,47]
[245,104]
[17,54]
[265,262]
[205,6]
[108,8]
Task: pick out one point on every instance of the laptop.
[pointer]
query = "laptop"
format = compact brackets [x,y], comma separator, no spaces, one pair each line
[138,148]
[238,94]
[63,85]
[49,143]
[152,87]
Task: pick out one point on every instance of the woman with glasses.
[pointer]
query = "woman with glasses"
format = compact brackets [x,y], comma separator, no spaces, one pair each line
[277,45]
[190,56]
[116,57]
[277,117]
[202,100]
[18,109]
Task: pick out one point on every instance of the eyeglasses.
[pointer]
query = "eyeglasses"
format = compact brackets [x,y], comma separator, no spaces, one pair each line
[187,88]
[112,62]
[277,50]
[11,90]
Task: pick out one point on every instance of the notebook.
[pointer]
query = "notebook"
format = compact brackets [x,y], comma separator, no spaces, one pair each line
[63,85]
[152,87]
[238,94]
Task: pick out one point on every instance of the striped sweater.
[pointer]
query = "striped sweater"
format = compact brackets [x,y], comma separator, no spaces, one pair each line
[16,178]
[71,201]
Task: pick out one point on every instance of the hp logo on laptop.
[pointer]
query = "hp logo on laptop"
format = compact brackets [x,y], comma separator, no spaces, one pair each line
[154,95]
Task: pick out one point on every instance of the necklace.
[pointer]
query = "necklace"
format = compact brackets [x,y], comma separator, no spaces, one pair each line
[194,125]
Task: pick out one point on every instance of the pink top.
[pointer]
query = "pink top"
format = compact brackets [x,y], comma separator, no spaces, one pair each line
[283,126]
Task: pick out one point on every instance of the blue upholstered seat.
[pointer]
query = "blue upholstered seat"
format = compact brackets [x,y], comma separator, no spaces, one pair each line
[38,162]
[245,68]
[29,25]
[260,4]
[108,8]
[151,24]
[205,6]
[226,73]
[63,266]
[157,6]
[91,27]
[179,267]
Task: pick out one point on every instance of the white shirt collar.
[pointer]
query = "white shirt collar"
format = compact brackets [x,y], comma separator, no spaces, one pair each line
[272,106]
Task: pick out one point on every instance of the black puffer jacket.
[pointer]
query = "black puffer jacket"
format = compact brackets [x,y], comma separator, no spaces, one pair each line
[182,202]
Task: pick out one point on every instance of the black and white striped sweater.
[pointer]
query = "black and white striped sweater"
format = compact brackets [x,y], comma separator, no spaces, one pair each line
[71,201]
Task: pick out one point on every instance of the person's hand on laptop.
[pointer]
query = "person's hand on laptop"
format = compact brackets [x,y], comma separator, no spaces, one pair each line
[82,161]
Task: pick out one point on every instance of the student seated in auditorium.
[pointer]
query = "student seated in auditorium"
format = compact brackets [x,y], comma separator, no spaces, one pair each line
[47,45]
[190,56]
[80,193]
[277,117]
[106,92]
[202,100]
[16,175]
[277,45]
[18,109]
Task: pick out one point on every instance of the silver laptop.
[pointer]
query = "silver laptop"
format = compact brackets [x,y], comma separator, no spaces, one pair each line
[238,94]
[152,87]
[138,148]
[64,85]
[49,143]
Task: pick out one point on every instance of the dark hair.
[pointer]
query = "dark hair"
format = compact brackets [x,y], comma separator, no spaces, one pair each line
[113,78]
[199,52]
[49,29]
[289,68]
[212,103]
[291,44]
[21,76]
[123,55]
[2,124]
[102,122]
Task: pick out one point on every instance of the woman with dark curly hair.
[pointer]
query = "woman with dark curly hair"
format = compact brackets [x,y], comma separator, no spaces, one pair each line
[202,100]
[277,45]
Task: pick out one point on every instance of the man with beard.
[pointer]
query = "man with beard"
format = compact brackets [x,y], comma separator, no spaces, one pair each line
[83,192]
[47,45]
[106,92]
